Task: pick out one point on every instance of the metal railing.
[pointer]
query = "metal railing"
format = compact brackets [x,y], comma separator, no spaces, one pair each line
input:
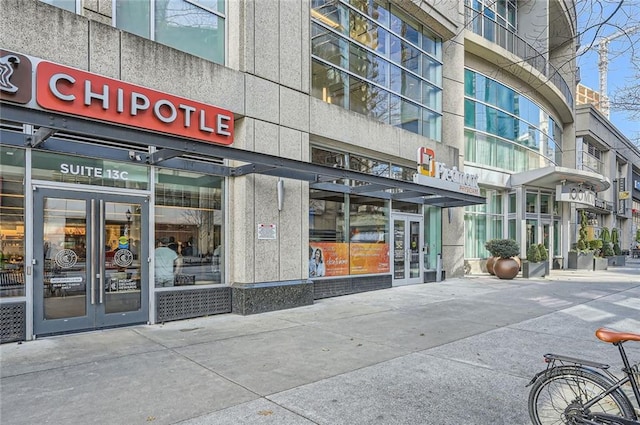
[496,33]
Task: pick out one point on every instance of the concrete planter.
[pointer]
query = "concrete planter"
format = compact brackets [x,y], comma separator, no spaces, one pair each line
[530,269]
[617,260]
[580,261]
[599,263]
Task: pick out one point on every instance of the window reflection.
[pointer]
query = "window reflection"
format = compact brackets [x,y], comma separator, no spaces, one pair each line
[11,223]
[195,26]
[189,222]
[406,94]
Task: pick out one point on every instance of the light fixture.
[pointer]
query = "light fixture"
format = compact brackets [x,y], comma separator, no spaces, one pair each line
[280,190]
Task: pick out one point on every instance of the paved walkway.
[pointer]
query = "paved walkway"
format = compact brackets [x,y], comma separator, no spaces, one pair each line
[455,352]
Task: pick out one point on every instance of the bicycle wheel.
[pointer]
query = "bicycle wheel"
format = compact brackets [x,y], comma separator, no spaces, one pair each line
[559,395]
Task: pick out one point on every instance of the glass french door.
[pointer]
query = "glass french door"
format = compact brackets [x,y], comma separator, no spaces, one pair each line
[407,249]
[90,268]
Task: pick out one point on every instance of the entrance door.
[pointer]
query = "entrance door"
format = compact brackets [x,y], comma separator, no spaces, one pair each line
[90,270]
[407,243]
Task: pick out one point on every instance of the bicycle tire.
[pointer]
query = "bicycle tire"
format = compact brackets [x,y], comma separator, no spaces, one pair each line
[557,397]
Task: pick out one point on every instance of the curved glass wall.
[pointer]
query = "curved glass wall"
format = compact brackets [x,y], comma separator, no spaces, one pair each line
[371,58]
[505,129]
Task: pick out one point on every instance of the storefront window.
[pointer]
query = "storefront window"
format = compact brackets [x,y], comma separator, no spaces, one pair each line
[482,223]
[358,242]
[11,222]
[188,229]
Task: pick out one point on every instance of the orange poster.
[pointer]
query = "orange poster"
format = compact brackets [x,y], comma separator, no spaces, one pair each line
[328,259]
[369,258]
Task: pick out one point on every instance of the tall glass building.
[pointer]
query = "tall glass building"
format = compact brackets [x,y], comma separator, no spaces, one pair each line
[167,159]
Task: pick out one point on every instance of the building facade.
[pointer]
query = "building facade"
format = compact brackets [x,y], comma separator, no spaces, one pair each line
[166,160]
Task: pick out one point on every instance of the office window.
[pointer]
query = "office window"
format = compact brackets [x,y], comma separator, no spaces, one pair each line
[193,26]
[378,61]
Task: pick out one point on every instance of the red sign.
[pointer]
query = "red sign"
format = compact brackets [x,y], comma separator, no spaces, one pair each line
[69,90]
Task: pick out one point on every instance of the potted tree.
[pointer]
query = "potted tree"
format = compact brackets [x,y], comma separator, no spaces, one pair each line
[581,257]
[506,267]
[544,257]
[533,265]
[617,259]
[599,262]
[489,245]
[607,248]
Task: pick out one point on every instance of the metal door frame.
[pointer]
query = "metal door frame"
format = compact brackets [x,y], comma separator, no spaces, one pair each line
[408,218]
[95,317]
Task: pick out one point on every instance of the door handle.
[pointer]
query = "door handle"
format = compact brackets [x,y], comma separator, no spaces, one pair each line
[92,262]
[102,253]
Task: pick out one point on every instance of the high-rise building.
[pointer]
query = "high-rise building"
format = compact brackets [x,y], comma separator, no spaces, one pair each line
[171,159]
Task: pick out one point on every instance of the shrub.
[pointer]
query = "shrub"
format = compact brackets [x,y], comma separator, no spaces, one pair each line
[490,245]
[544,254]
[616,241]
[605,236]
[607,250]
[505,248]
[533,254]
[595,244]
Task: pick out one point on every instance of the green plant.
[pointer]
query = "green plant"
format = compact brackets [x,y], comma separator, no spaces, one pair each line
[490,246]
[544,254]
[638,235]
[533,254]
[505,248]
[605,236]
[582,233]
[607,250]
[595,245]
[615,239]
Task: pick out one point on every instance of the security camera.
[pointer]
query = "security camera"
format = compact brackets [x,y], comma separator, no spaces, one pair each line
[134,157]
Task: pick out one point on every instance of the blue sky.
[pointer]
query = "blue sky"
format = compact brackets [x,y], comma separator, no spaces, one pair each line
[621,72]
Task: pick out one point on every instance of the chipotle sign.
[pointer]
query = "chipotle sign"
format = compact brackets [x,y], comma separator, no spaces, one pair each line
[72,91]
[76,92]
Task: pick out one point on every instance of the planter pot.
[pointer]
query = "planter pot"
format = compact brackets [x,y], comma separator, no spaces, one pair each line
[580,261]
[617,260]
[506,268]
[530,269]
[599,263]
[557,263]
[490,263]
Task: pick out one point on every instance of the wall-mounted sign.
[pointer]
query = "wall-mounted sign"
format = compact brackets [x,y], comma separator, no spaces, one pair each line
[636,184]
[267,231]
[575,193]
[438,174]
[76,92]
[624,195]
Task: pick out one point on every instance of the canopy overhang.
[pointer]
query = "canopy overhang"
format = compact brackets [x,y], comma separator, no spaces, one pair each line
[71,135]
[552,176]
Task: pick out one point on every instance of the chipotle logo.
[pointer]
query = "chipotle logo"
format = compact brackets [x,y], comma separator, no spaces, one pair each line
[15,77]
[76,92]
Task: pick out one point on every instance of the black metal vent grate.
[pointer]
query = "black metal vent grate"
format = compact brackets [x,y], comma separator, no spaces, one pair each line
[13,318]
[180,305]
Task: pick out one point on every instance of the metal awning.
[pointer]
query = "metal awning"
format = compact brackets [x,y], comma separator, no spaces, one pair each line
[552,176]
[67,134]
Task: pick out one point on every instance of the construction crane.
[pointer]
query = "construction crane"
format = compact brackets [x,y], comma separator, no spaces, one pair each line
[603,63]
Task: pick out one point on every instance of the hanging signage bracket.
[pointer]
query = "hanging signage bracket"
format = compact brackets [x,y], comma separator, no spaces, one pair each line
[41,134]
[162,155]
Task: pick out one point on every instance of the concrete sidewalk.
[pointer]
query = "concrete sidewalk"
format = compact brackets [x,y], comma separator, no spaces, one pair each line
[456,352]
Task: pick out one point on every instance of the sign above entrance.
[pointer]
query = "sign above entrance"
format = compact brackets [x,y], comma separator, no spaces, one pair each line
[72,91]
[438,174]
[575,193]
[63,89]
